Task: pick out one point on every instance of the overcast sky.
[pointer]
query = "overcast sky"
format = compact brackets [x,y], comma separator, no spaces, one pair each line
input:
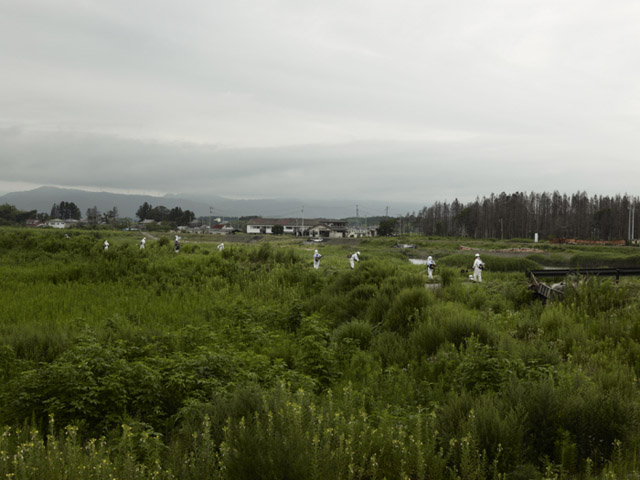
[393,100]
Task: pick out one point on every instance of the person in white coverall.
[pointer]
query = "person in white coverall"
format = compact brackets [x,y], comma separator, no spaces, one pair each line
[354,258]
[316,260]
[106,245]
[478,265]
[176,244]
[431,265]
[143,242]
[221,247]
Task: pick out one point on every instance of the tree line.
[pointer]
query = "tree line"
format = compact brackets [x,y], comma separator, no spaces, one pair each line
[65,211]
[521,215]
[10,215]
[176,215]
[515,215]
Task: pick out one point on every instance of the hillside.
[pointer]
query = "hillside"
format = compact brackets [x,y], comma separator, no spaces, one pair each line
[41,199]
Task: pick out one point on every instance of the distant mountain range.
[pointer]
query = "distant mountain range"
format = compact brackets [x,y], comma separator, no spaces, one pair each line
[43,198]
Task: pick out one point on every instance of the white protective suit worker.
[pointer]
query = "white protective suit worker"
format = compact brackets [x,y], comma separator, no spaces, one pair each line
[176,244]
[221,247]
[478,265]
[354,258]
[431,265]
[316,259]
[143,243]
[106,245]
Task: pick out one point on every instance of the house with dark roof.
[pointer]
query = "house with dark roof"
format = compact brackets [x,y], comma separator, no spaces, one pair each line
[146,223]
[33,222]
[221,229]
[329,229]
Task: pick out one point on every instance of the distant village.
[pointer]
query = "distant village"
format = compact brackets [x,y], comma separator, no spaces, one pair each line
[321,228]
[67,215]
[317,228]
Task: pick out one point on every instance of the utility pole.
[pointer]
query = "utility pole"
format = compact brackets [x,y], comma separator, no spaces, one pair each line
[387,211]
[210,215]
[302,219]
[633,221]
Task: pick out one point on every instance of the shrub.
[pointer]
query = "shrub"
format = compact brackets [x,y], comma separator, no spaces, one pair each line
[425,339]
[390,348]
[595,295]
[261,254]
[518,296]
[594,418]
[286,256]
[358,332]
[482,367]
[406,309]
[315,358]
[458,324]
[358,300]
[499,429]
[190,248]
[448,276]
[476,297]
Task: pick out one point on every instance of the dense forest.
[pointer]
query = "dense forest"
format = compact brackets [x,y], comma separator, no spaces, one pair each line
[521,215]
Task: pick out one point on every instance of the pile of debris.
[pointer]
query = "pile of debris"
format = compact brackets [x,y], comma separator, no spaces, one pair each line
[576,241]
[556,290]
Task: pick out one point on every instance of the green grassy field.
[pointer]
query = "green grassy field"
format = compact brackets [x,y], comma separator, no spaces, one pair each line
[249,363]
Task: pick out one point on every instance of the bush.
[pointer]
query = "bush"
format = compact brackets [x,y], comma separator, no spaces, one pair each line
[458,324]
[356,332]
[499,429]
[390,348]
[595,295]
[315,358]
[483,368]
[425,339]
[448,276]
[406,309]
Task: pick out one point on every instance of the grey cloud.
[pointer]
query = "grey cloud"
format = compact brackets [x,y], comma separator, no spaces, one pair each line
[416,172]
[416,100]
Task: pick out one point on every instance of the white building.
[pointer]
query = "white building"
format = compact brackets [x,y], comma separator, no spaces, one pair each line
[313,227]
[290,226]
[60,223]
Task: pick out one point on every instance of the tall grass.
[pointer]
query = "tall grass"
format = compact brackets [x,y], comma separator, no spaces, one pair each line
[249,363]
